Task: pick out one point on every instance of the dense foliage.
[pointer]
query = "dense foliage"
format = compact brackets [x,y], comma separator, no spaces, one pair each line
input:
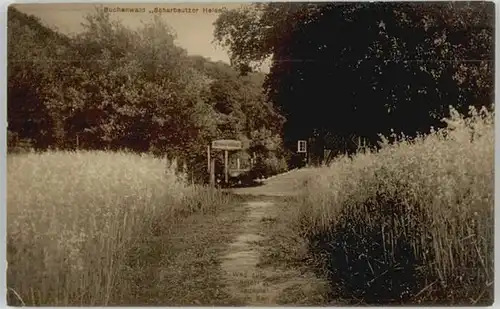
[110,87]
[412,223]
[341,73]
[345,72]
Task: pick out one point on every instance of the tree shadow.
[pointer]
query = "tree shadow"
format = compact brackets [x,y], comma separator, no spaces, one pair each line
[360,267]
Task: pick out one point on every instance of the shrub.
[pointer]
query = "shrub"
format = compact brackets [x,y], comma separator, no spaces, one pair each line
[412,222]
[268,166]
[275,165]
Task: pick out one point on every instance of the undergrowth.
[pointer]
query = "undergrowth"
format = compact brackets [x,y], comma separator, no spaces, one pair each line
[411,223]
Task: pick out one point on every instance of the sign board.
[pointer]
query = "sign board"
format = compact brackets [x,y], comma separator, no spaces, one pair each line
[227,144]
[301,146]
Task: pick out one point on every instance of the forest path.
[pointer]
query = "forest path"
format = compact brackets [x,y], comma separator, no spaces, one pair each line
[245,277]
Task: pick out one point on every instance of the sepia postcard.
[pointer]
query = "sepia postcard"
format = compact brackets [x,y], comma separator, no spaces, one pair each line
[250,154]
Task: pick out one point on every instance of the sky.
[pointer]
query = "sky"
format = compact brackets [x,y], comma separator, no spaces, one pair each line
[194,29]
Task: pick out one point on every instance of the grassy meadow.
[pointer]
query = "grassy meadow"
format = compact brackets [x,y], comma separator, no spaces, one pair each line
[411,223]
[76,221]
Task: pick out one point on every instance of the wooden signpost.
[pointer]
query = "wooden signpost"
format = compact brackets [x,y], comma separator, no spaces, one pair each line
[226,145]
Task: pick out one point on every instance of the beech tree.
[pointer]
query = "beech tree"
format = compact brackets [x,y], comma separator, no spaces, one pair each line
[111,87]
[345,72]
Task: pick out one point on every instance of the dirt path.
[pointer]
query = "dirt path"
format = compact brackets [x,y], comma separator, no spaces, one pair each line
[245,278]
[287,184]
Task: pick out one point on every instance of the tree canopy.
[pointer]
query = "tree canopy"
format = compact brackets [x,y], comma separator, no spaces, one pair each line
[111,87]
[343,72]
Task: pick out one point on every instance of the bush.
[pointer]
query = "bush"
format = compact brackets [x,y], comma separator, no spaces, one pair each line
[73,217]
[275,165]
[18,145]
[268,166]
[412,222]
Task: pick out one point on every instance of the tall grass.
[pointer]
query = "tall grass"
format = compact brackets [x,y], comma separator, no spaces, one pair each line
[74,217]
[412,222]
